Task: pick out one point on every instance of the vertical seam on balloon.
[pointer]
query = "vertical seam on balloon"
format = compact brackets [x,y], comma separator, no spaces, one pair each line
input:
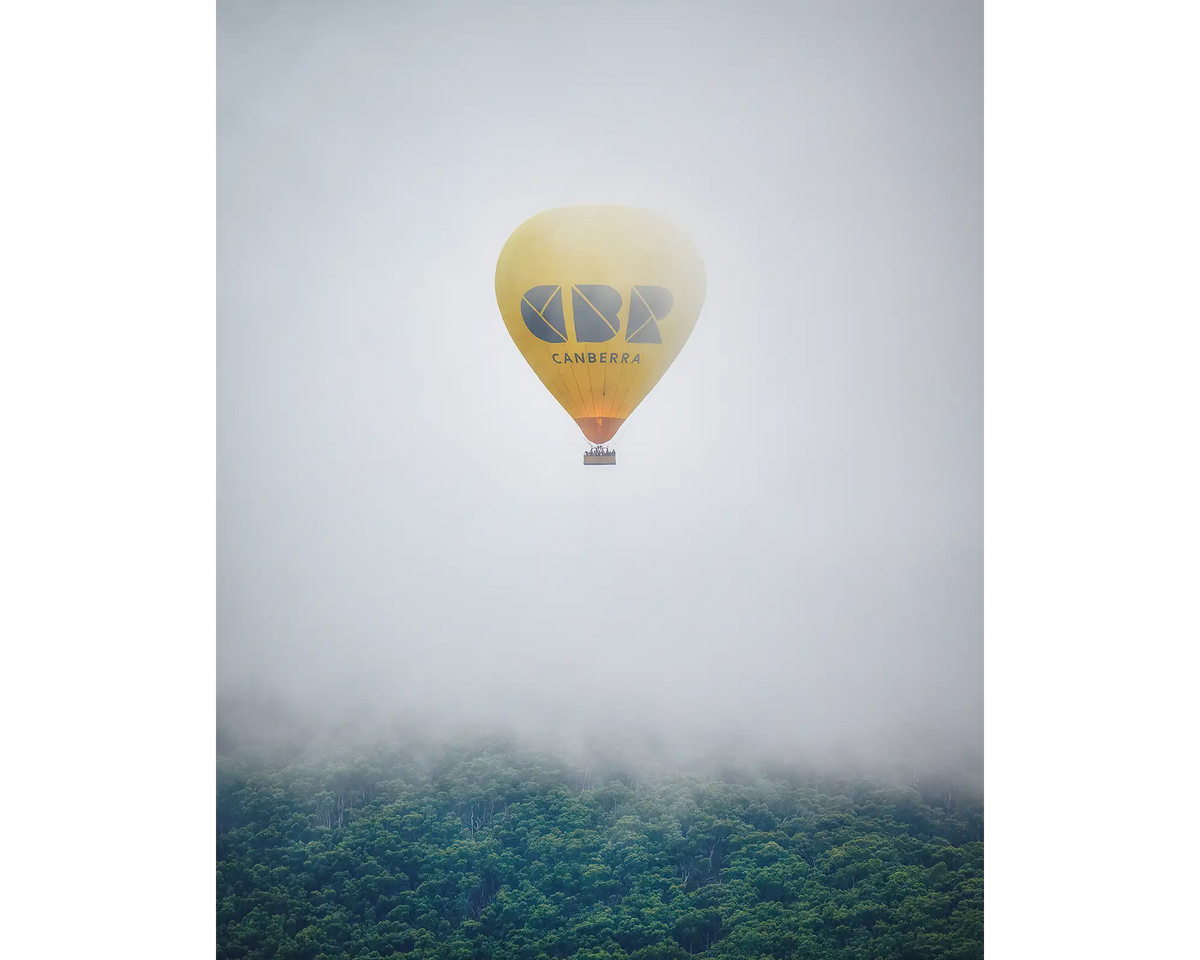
[578,394]
[632,381]
[592,405]
[604,390]
[615,407]
[566,385]
[616,390]
[591,393]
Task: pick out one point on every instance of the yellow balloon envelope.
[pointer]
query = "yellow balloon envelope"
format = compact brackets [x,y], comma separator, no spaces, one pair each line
[599,300]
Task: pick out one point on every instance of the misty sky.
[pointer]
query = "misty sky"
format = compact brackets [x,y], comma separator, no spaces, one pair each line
[790,547]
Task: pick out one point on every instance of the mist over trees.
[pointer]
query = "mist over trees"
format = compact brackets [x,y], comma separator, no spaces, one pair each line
[340,834]
[477,700]
[484,849]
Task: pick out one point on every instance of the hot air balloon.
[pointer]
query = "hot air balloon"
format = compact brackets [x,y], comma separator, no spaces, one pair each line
[599,300]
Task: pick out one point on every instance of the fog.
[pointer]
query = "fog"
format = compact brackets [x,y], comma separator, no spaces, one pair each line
[788,555]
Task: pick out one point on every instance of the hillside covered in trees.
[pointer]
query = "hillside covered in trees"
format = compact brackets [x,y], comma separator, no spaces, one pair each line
[498,852]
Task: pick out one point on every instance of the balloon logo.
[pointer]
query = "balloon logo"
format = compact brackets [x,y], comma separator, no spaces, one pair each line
[599,300]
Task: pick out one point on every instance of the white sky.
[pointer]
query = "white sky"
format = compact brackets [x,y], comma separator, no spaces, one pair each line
[790,547]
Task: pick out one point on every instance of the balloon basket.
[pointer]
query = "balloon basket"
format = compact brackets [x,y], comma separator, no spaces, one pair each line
[600,455]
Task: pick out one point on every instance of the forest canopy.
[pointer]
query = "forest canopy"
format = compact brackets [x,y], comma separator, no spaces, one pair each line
[468,850]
